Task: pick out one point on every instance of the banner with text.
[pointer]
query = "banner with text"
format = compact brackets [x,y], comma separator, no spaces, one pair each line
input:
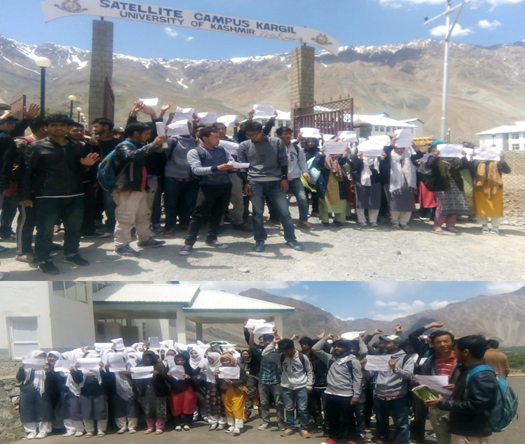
[162,15]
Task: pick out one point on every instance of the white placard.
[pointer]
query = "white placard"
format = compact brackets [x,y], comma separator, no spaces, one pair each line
[207,117]
[228,120]
[469,151]
[422,361]
[335,148]
[179,346]
[231,147]
[177,371]
[34,363]
[161,131]
[310,133]
[168,343]
[371,148]
[178,128]
[154,342]
[425,157]
[487,153]
[404,138]
[119,344]
[150,102]
[252,323]
[264,329]
[435,383]
[263,111]
[63,366]
[351,335]
[229,373]
[116,363]
[184,113]
[89,364]
[347,136]
[239,165]
[327,137]
[450,150]
[142,372]
[103,346]
[377,363]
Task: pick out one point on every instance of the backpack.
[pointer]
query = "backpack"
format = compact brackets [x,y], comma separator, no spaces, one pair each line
[301,358]
[506,407]
[313,171]
[427,176]
[348,364]
[202,158]
[107,172]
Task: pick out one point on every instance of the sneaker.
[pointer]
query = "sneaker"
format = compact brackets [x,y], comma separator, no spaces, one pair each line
[281,426]
[89,434]
[338,224]
[217,244]
[288,432]
[97,234]
[424,219]
[212,428]
[494,231]
[236,432]
[295,245]
[485,230]
[28,258]
[187,428]
[76,260]
[229,429]
[148,432]
[304,224]
[305,434]
[169,232]
[178,429]
[132,431]
[220,427]
[242,227]
[186,250]
[259,246]
[101,434]
[157,228]
[127,251]
[68,434]
[151,243]
[329,441]
[159,432]
[122,430]
[48,267]
[79,433]
[264,426]
[32,435]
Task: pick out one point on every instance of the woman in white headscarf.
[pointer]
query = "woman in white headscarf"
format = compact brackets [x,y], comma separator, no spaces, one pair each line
[121,397]
[36,409]
[214,406]
[367,184]
[199,380]
[399,177]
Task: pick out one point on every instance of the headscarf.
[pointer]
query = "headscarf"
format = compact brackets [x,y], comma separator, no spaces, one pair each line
[195,362]
[402,171]
[331,162]
[366,173]
[232,362]
[39,378]
[124,389]
[150,358]
[187,367]
[488,179]
[210,367]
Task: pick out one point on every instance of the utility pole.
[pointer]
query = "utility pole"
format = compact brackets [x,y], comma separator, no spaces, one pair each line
[449,29]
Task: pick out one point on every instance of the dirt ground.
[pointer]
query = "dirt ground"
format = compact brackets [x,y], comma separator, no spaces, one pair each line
[347,253]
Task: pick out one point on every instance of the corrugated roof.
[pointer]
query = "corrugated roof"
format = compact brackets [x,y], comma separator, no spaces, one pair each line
[381,120]
[220,300]
[147,293]
[505,129]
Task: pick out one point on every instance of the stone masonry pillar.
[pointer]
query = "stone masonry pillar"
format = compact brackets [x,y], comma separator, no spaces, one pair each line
[101,66]
[302,77]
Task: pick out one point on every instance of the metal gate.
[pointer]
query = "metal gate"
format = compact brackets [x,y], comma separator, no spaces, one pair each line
[17,106]
[329,117]
[109,101]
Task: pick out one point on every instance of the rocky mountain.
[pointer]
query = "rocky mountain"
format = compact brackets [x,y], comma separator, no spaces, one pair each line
[500,317]
[404,80]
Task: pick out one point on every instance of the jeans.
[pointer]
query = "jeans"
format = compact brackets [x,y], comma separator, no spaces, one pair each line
[211,204]
[178,200]
[90,207]
[339,417]
[296,399]
[315,406]
[297,189]
[265,391]
[109,209]
[156,210]
[25,227]
[398,409]
[8,209]
[48,210]
[272,191]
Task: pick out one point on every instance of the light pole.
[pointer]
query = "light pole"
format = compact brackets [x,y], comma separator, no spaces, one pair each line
[79,113]
[43,63]
[71,99]
[449,29]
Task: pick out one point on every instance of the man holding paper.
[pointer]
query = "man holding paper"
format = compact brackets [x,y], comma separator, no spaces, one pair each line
[267,178]
[211,163]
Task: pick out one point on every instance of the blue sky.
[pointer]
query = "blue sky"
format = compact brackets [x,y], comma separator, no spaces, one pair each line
[351,22]
[376,300]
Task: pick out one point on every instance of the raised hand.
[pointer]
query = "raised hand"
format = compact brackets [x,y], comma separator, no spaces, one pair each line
[166,107]
[321,335]
[137,106]
[90,160]
[31,111]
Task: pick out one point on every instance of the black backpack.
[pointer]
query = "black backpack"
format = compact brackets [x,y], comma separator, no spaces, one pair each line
[301,358]
[427,176]
[202,158]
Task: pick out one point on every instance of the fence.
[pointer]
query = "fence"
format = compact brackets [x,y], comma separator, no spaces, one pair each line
[329,117]
[17,106]
[514,184]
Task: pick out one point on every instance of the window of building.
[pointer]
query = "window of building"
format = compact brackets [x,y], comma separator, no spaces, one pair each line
[515,147]
[376,128]
[388,129]
[97,286]
[515,136]
[23,336]
[76,291]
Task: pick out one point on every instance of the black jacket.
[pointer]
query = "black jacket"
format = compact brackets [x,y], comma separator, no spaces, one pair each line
[7,156]
[471,404]
[255,363]
[131,176]
[384,164]
[91,385]
[53,170]
[440,182]
[357,168]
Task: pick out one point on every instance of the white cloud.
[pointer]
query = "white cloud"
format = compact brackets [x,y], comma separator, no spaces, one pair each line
[401,309]
[189,39]
[497,288]
[170,32]
[389,290]
[436,305]
[490,25]
[346,319]
[299,297]
[504,2]
[400,3]
[441,31]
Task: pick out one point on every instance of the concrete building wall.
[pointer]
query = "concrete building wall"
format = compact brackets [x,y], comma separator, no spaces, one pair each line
[505,141]
[154,327]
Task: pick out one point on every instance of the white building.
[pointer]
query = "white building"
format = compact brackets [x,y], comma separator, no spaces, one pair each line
[368,125]
[65,315]
[506,137]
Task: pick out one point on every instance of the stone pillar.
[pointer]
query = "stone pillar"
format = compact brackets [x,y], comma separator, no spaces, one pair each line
[101,66]
[302,76]
[198,331]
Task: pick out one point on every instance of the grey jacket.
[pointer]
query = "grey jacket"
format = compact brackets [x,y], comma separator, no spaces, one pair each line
[395,383]
[296,161]
[294,375]
[210,176]
[267,160]
[339,380]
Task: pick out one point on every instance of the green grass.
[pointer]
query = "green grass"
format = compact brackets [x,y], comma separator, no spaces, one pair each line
[516,357]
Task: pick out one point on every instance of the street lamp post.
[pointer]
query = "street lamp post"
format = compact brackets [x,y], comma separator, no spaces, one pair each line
[71,99]
[79,109]
[43,63]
